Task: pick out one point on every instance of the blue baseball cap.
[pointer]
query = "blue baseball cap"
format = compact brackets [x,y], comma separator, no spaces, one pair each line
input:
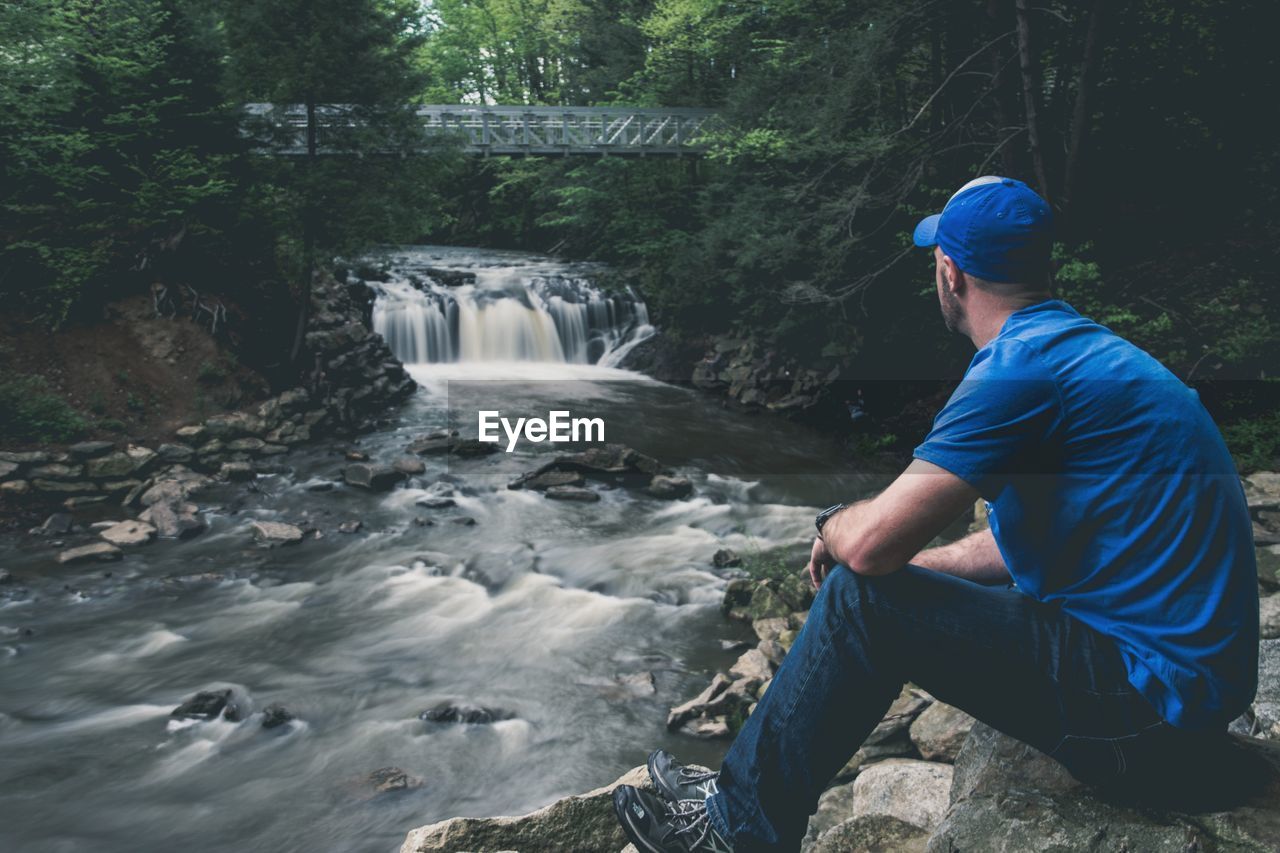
[994,228]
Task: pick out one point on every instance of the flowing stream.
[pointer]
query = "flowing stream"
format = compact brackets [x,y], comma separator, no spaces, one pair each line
[552,611]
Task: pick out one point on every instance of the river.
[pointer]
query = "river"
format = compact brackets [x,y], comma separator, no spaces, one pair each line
[542,609]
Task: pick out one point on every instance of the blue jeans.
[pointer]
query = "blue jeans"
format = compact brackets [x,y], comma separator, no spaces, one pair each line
[1021,666]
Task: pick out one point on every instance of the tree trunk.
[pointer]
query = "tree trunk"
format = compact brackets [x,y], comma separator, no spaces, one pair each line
[1080,117]
[1030,95]
[308,230]
[1000,85]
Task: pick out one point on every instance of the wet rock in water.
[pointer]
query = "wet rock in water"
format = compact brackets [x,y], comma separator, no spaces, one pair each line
[463,521]
[433,442]
[734,645]
[58,524]
[272,533]
[669,488]
[447,712]
[356,456]
[940,731]
[1008,797]
[914,792]
[98,552]
[237,472]
[388,780]
[375,478]
[708,728]
[409,465]
[320,487]
[208,705]
[572,493]
[726,558]
[419,521]
[472,447]
[275,715]
[435,502]
[583,823]
[539,480]
[752,665]
[174,521]
[127,533]
[5,576]
[350,526]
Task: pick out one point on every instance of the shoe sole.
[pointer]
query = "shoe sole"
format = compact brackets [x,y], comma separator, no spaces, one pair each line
[629,829]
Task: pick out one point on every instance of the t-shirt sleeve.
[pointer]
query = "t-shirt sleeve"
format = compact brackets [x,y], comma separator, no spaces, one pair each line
[998,422]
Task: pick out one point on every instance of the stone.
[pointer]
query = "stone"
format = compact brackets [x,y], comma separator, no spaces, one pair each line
[57,486]
[581,823]
[747,600]
[773,651]
[431,443]
[435,502]
[771,628]
[58,524]
[7,469]
[350,526]
[76,502]
[872,834]
[1269,615]
[208,705]
[58,471]
[409,465]
[708,728]
[1008,797]
[272,450]
[174,520]
[275,715]
[190,433]
[246,445]
[98,552]
[898,719]
[914,792]
[669,488]
[237,472]
[835,806]
[273,533]
[142,457]
[5,576]
[448,712]
[700,703]
[356,456]
[113,465]
[1262,490]
[940,731]
[15,488]
[1266,705]
[547,479]
[233,425]
[726,559]
[752,665]
[375,478]
[128,533]
[30,457]
[117,487]
[572,493]
[387,780]
[463,521]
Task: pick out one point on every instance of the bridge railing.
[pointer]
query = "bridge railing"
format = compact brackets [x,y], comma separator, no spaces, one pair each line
[544,131]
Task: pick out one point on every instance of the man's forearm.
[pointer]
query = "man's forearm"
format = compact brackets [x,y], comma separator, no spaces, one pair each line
[975,557]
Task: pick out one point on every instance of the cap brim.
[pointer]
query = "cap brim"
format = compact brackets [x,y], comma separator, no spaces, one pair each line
[926,232]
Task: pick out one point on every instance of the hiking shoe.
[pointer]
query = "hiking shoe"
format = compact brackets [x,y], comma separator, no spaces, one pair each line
[676,781]
[654,825]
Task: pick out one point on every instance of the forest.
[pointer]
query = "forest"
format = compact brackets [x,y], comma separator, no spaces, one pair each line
[124,163]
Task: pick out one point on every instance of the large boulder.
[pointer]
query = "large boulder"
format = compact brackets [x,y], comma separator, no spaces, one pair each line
[375,478]
[129,533]
[940,731]
[581,823]
[914,792]
[1266,705]
[1006,796]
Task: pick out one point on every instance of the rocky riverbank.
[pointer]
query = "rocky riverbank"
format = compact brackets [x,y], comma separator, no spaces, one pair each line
[354,378]
[929,777]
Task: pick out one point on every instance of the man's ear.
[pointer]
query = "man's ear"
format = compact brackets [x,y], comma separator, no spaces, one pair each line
[952,275]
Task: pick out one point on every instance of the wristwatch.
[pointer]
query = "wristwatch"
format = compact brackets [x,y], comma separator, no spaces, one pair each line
[822,517]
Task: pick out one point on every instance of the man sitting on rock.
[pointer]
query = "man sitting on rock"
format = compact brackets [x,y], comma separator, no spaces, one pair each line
[1108,616]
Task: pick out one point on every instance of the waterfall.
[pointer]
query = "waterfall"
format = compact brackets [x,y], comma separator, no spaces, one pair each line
[529,311]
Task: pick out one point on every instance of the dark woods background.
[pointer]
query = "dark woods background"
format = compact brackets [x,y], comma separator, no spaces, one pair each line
[1149,125]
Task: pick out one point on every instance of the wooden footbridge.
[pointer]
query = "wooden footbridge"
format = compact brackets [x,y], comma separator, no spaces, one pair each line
[514,130]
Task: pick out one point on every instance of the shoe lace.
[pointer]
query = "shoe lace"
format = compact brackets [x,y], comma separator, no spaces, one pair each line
[693,777]
[690,816]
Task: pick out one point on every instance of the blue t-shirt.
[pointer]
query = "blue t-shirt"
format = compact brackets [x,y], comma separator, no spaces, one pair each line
[1112,493]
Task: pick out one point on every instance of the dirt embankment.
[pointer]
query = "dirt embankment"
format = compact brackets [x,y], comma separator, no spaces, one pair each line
[131,374]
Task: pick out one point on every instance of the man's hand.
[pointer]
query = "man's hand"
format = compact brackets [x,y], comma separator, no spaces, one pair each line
[820,562]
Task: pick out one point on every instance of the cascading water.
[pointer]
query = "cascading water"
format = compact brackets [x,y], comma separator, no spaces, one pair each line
[443,306]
